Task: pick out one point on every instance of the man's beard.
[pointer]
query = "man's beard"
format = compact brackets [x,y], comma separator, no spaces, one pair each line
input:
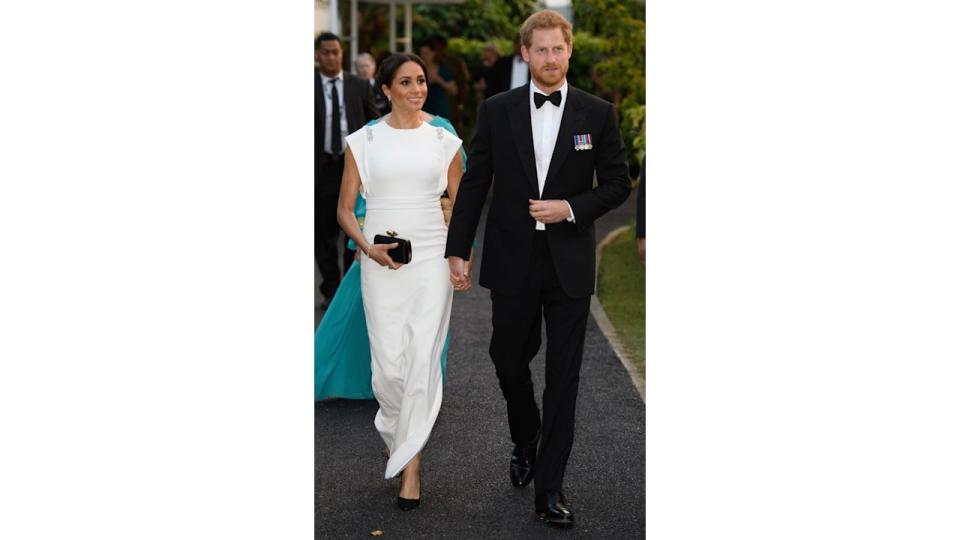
[539,76]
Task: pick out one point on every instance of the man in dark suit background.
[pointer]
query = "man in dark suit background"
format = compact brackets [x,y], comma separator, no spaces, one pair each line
[544,143]
[642,212]
[508,72]
[484,73]
[343,104]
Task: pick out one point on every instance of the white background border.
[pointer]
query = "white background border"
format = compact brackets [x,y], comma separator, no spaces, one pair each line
[156,229]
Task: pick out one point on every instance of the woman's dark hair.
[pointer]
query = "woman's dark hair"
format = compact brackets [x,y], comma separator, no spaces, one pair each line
[388,68]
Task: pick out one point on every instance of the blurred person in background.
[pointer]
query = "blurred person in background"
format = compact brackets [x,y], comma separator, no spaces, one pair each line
[441,82]
[488,59]
[343,103]
[461,76]
[642,212]
[509,72]
[366,68]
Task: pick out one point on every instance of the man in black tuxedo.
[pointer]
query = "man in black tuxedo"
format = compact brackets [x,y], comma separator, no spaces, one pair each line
[544,143]
[343,104]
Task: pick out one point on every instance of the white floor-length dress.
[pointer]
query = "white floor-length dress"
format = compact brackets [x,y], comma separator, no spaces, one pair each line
[403,173]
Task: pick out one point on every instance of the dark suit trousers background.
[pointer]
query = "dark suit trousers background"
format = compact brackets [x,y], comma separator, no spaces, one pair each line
[516,340]
[326,228]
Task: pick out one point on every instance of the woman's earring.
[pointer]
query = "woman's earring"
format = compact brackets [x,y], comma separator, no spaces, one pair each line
[389,98]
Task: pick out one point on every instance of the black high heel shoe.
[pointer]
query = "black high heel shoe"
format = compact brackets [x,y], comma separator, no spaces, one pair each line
[407,504]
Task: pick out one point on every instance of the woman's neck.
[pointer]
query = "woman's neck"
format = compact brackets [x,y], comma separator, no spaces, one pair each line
[399,119]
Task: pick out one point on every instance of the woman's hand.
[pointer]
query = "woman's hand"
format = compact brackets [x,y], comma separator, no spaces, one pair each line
[378,252]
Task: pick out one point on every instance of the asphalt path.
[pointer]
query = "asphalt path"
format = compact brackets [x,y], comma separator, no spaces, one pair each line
[465,486]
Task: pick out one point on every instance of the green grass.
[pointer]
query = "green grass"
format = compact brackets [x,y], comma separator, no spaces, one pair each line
[621,287]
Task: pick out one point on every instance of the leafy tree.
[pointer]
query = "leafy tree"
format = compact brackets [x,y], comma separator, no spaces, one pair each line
[622,71]
[609,47]
[473,19]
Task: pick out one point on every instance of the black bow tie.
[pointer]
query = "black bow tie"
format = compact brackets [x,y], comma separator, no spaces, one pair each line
[539,99]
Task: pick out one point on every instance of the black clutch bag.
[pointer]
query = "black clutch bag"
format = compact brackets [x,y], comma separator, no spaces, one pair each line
[403,253]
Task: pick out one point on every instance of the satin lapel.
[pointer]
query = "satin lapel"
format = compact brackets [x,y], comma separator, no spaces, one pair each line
[519,112]
[569,125]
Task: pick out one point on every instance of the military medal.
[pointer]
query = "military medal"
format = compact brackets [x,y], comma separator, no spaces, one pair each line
[582,142]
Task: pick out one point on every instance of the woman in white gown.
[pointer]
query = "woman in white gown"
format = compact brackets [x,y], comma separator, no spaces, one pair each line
[401,166]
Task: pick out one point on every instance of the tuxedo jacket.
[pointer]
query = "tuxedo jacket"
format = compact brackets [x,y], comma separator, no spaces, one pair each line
[502,150]
[358,103]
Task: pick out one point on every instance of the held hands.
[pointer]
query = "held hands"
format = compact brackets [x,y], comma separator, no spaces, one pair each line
[549,211]
[468,266]
[378,252]
[460,273]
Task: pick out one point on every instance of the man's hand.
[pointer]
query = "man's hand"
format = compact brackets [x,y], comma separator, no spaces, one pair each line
[458,274]
[550,211]
[468,269]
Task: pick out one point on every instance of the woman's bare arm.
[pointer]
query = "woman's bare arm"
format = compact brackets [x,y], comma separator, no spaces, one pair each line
[349,189]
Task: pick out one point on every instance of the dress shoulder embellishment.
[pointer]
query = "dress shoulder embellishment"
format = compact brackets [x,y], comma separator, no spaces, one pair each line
[440,131]
[369,131]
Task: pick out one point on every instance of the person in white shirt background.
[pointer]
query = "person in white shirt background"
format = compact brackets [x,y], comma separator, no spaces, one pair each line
[508,72]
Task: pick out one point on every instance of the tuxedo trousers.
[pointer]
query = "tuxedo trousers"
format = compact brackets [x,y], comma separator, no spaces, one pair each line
[516,340]
[326,228]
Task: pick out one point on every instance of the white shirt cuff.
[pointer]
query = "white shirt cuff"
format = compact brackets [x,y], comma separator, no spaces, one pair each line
[572,218]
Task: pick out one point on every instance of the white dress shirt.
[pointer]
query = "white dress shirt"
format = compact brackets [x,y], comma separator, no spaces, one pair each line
[328,117]
[519,73]
[545,122]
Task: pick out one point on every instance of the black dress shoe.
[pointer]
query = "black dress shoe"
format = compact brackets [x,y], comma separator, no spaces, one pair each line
[552,508]
[521,464]
[407,504]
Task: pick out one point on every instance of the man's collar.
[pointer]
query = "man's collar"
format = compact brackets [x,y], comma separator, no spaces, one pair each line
[338,76]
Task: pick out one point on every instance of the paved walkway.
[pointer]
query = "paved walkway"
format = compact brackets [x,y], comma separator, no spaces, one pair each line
[466,490]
